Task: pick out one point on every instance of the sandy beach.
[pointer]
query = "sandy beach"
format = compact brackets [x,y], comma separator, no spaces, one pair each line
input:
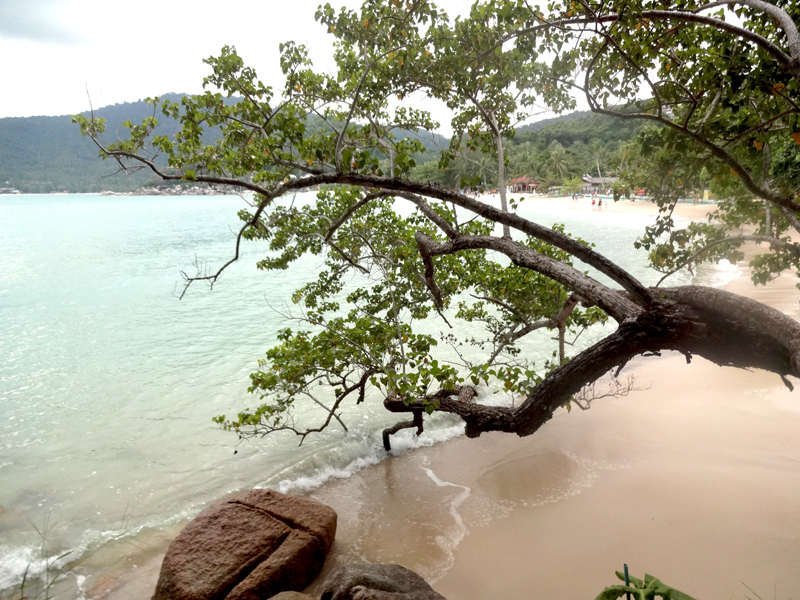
[695,479]
[684,210]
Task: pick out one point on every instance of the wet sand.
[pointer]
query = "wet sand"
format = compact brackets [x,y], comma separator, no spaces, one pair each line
[695,480]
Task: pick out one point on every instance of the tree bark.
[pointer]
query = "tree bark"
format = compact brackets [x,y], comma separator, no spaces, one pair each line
[722,327]
[501,172]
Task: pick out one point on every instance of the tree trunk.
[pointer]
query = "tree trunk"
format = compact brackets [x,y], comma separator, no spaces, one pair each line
[501,172]
[724,328]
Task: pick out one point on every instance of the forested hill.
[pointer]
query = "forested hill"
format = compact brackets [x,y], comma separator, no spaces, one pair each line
[48,154]
[579,126]
[559,119]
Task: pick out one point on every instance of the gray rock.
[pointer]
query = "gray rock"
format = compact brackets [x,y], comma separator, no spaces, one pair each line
[248,546]
[368,581]
[292,596]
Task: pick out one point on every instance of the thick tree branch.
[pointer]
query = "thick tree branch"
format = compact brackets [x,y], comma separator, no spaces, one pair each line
[724,328]
[733,311]
[781,17]
[390,431]
[391,184]
[791,217]
[612,302]
[426,248]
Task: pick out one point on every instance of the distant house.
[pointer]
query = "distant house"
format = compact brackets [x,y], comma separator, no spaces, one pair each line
[601,185]
[522,184]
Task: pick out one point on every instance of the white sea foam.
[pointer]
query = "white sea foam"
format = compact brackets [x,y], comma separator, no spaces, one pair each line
[402,442]
[718,275]
[13,566]
[450,541]
[28,563]
[80,586]
[312,482]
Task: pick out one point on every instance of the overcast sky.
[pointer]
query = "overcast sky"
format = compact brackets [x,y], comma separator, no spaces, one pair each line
[51,51]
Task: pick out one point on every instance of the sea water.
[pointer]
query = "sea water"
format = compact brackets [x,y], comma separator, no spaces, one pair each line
[108,382]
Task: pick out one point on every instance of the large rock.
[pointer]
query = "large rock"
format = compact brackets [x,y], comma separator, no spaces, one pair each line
[248,546]
[368,581]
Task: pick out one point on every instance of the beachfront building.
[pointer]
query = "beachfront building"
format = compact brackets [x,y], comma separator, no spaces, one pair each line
[522,185]
[600,185]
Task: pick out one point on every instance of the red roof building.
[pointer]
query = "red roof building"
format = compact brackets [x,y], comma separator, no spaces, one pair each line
[522,184]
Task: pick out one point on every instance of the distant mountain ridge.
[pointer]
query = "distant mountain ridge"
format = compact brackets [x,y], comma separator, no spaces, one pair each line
[536,126]
[48,154]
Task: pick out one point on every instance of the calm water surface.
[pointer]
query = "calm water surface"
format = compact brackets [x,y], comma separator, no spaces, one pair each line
[108,382]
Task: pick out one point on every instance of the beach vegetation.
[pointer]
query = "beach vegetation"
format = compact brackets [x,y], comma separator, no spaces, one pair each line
[648,588]
[398,248]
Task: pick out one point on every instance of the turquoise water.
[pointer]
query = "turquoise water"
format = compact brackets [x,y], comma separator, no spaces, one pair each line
[108,382]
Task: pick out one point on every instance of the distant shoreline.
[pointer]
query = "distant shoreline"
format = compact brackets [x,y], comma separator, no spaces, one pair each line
[193,191]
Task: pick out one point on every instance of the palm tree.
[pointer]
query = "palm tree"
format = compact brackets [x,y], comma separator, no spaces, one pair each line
[557,164]
[598,152]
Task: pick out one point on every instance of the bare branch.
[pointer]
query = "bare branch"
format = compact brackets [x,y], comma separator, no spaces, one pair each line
[389,431]
[736,239]
[614,388]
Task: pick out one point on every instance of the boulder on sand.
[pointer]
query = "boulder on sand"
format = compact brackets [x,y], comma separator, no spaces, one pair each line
[248,546]
[369,581]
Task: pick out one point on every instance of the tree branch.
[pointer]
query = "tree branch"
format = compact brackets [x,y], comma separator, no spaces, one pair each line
[773,241]
[612,302]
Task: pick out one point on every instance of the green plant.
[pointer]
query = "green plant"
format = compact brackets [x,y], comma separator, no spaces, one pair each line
[41,576]
[647,589]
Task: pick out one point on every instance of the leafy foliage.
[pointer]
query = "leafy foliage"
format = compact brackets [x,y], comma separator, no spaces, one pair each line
[366,318]
[397,253]
[649,588]
[721,99]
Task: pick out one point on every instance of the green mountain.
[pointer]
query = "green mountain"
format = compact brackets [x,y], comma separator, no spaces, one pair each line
[536,126]
[48,154]
[578,127]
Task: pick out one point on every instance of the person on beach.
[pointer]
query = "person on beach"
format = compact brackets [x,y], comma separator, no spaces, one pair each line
[593,202]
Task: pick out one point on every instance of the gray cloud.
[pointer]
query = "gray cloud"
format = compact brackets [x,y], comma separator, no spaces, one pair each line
[35,20]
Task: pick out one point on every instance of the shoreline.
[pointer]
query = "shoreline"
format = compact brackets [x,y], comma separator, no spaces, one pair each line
[438,509]
[695,480]
[194,191]
[683,210]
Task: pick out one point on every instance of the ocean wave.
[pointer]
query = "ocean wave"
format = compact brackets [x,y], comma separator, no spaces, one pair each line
[717,275]
[26,563]
[402,442]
